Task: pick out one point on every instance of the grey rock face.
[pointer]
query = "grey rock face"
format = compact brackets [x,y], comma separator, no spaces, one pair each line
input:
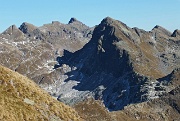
[32,50]
[27,28]
[12,34]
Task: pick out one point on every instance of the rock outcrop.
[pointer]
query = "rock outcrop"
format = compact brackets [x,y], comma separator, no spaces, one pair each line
[176,33]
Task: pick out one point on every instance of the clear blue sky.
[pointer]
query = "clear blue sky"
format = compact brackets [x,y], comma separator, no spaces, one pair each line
[144,14]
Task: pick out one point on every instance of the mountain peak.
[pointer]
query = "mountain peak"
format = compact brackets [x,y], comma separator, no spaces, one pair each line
[157,26]
[108,20]
[72,20]
[115,23]
[162,30]
[12,27]
[13,30]
[27,27]
[176,33]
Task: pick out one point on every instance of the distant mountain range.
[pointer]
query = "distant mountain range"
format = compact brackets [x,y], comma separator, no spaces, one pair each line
[125,68]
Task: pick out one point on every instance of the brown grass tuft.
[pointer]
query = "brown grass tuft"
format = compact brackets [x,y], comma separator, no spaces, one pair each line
[22,99]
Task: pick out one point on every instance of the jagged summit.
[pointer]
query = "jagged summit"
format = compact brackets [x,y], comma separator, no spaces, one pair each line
[27,28]
[108,20]
[157,26]
[42,45]
[11,29]
[72,20]
[162,30]
[176,33]
[13,33]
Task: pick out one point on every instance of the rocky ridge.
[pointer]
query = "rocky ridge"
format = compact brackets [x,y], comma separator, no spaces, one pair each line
[32,50]
[120,65]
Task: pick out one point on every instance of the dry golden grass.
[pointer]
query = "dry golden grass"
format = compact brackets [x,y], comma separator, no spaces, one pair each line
[21,99]
[148,61]
[155,110]
[150,66]
[92,110]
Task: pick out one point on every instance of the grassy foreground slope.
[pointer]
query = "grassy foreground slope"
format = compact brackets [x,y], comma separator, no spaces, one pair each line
[21,99]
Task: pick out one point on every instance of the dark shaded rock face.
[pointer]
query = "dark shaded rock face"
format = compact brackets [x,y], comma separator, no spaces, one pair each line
[99,67]
[72,20]
[119,66]
[166,107]
[27,28]
[176,33]
[106,57]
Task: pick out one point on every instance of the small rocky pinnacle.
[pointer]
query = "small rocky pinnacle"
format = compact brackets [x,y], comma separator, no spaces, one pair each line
[72,20]
[176,33]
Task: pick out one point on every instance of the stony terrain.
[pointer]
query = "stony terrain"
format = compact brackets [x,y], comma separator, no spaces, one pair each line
[162,109]
[21,99]
[165,108]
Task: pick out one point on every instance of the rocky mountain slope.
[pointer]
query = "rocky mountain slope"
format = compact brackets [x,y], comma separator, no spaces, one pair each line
[119,66]
[165,108]
[21,99]
[32,50]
